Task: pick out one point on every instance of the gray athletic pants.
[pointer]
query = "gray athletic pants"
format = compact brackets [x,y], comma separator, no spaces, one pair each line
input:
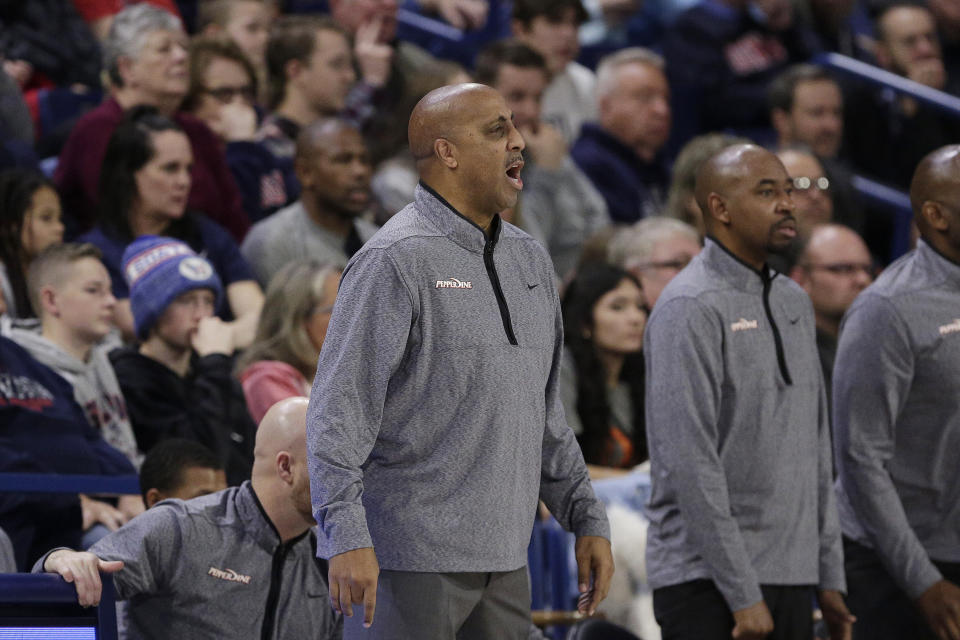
[446,606]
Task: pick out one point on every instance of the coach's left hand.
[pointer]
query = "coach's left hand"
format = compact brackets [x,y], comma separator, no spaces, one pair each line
[838,618]
[594,571]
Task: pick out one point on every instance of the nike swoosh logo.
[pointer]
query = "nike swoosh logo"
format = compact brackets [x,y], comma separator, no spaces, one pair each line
[533,286]
[795,320]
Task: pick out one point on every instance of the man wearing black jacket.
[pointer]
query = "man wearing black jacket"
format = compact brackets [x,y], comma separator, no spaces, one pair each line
[179,382]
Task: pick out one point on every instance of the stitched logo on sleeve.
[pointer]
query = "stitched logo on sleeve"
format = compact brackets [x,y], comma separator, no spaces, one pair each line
[743,324]
[229,575]
[453,283]
[950,327]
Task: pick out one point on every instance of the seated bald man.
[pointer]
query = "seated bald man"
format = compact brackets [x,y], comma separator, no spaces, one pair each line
[743,524]
[238,563]
[435,420]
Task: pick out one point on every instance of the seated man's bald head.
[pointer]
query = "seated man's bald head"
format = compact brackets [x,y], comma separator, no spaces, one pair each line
[440,113]
[936,181]
[283,428]
[722,171]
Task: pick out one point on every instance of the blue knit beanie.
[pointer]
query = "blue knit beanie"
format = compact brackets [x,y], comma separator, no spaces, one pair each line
[159,269]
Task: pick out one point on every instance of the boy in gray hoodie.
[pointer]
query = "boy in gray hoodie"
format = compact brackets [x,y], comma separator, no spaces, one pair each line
[70,289]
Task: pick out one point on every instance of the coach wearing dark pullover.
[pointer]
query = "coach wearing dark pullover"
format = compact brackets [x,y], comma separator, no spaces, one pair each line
[897,424]
[435,418]
[742,514]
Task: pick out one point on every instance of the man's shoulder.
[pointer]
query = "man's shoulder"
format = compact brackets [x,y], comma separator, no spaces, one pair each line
[282,220]
[405,225]
[365,228]
[98,121]
[789,286]
[697,280]
[186,522]
[213,507]
[135,370]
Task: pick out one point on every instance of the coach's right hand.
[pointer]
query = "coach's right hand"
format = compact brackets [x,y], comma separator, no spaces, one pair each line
[752,623]
[353,580]
[83,570]
[940,605]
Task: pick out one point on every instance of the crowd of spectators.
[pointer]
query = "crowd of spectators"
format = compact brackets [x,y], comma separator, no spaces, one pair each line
[182,183]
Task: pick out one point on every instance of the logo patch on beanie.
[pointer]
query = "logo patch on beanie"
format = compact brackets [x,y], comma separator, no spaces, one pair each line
[145,261]
[196,269]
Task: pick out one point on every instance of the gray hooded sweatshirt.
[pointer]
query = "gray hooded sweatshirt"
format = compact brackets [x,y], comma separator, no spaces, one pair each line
[739,437]
[435,419]
[95,388]
[896,416]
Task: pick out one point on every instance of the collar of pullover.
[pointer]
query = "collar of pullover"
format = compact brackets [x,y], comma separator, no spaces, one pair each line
[935,263]
[452,223]
[255,521]
[734,270]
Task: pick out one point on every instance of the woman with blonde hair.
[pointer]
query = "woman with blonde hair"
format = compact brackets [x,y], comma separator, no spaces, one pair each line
[282,360]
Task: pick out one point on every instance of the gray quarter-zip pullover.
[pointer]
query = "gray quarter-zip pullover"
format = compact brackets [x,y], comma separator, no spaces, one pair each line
[214,567]
[896,417]
[435,419]
[738,434]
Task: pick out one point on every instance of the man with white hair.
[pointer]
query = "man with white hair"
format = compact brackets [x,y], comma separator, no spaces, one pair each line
[654,250]
[146,58]
[621,152]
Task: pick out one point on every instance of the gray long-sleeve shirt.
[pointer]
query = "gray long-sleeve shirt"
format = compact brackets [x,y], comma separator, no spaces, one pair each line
[561,209]
[738,435]
[205,568]
[430,434]
[896,417]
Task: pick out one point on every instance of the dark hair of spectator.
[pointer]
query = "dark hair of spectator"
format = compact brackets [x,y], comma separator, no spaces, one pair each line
[130,149]
[525,11]
[292,38]
[17,187]
[203,51]
[581,296]
[783,89]
[165,464]
[502,52]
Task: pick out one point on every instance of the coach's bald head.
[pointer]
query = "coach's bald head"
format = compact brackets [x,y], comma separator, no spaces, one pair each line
[935,198]
[467,149]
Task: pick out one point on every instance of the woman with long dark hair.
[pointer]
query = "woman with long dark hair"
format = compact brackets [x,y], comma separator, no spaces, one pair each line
[144,185]
[602,377]
[30,221]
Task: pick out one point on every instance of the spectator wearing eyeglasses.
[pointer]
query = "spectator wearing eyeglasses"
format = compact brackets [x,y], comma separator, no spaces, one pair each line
[246,23]
[654,251]
[834,267]
[811,189]
[812,198]
[806,110]
[222,93]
